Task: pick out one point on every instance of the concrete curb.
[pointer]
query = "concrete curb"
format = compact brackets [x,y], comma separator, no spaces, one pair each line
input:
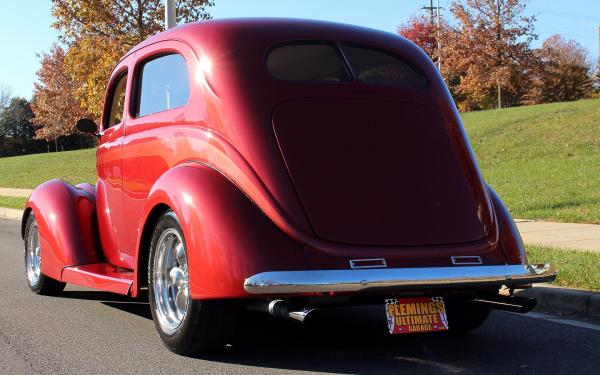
[11,213]
[564,300]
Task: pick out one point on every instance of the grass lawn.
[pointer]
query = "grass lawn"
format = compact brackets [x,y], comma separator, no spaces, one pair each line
[13,202]
[31,170]
[576,268]
[543,160]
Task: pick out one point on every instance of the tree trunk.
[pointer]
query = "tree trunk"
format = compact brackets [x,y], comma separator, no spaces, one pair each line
[499,96]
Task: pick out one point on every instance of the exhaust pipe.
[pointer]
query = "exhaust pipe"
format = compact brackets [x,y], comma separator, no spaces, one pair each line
[280,309]
[519,305]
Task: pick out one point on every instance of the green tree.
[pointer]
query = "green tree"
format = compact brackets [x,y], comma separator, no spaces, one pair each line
[17,129]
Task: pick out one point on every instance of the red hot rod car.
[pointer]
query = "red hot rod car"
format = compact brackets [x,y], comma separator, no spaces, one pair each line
[280,165]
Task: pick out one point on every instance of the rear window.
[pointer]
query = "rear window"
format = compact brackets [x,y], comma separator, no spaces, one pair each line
[307,62]
[380,68]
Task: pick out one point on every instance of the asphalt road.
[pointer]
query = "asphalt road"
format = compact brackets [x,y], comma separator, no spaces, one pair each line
[85,331]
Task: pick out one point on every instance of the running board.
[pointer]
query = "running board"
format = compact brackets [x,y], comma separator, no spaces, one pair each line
[101,276]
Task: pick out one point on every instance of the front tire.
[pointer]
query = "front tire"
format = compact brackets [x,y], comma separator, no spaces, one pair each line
[185,326]
[36,280]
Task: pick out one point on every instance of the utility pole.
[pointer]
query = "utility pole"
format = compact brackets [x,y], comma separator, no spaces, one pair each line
[439,39]
[170,14]
[430,8]
[499,38]
[434,11]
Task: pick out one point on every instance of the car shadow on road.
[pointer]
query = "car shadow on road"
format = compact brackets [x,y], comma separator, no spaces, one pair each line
[341,340]
[135,306]
[355,340]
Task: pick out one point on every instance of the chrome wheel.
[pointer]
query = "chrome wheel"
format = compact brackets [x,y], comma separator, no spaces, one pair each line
[170,279]
[33,256]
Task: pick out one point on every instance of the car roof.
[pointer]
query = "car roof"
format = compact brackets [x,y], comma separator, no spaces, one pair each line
[269,29]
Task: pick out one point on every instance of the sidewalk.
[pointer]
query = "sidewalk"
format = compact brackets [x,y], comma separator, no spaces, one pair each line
[560,235]
[10,192]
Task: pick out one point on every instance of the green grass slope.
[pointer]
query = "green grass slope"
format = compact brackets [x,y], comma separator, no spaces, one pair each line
[543,160]
[31,170]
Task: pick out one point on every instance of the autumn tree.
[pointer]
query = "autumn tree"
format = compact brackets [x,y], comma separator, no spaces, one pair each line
[422,32]
[54,104]
[491,46]
[563,73]
[99,32]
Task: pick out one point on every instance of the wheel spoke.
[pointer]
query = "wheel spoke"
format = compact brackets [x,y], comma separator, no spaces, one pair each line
[33,259]
[180,254]
[181,301]
[170,280]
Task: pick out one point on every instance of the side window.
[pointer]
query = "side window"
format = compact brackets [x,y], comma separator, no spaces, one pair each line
[380,68]
[307,62]
[163,85]
[117,103]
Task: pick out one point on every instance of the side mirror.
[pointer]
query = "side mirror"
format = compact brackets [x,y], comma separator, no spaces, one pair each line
[87,126]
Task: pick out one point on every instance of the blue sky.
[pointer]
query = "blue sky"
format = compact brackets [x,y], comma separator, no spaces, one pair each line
[25,25]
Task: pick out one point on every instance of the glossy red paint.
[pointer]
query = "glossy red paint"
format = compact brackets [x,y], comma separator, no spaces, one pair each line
[245,205]
[102,276]
[67,225]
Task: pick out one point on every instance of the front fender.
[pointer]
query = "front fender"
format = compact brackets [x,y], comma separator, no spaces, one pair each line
[227,236]
[510,240]
[66,222]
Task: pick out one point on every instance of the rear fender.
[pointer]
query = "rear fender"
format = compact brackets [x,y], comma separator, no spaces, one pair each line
[227,236]
[510,240]
[66,220]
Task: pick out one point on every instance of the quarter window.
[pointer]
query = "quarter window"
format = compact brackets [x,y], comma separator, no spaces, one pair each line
[117,103]
[307,62]
[380,68]
[164,85]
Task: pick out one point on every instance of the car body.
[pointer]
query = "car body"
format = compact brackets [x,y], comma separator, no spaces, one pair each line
[302,160]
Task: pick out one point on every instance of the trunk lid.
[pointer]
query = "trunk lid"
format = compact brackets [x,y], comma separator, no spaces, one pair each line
[377,172]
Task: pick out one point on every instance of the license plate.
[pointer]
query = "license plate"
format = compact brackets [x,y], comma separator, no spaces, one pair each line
[416,315]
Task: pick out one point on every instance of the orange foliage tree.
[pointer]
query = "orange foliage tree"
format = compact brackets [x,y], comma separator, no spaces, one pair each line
[54,104]
[564,72]
[96,33]
[491,48]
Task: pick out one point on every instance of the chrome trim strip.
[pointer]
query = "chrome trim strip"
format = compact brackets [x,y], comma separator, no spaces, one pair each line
[356,263]
[462,260]
[353,280]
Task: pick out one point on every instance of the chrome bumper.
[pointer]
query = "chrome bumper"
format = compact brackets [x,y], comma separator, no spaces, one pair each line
[354,280]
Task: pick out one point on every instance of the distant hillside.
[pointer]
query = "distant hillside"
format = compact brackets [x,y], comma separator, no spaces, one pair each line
[31,170]
[543,160]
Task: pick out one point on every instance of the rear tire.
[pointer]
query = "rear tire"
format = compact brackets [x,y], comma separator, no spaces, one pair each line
[464,317]
[36,280]
[184,325]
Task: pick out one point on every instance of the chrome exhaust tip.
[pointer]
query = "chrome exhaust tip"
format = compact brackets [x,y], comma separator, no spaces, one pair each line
[281,309]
